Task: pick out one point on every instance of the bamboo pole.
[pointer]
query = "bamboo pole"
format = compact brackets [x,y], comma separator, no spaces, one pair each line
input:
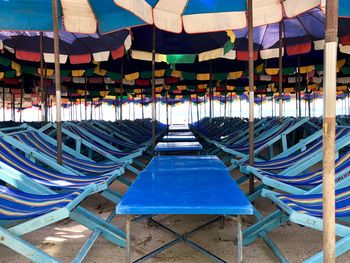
[251,92]
[121,91]
[42,92]
[329,101]
[57,81]
[153,88]
[85,99]
[210,92]
[280,72]
[3,104]
[21,100]
[299,88]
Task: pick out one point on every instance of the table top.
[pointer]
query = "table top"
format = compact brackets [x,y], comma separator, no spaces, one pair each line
[179,127]
[184,192]
[178,146]
[180,138]
[175,133]
[190,162]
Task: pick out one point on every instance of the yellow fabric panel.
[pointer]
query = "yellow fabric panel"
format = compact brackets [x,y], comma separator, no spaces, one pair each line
[166,87]
[181,87]
[260,68]
[49,72]
[104,93]
[203,76]
[99,71]
[159,89]
[178,97]
[342,88]
[312,87]
[289,90]
[235,75]
[340,64]
[306,69]
[138,91]
[272,71]
[16,67]
[132,76]
[231,35]
[176,74]
[202,86]
[159,73]
[78,73]
[81,92]
[230,88]
[2,75]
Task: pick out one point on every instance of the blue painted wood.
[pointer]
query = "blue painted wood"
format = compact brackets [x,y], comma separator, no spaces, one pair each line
[178,146]
[190,162]
[185,191]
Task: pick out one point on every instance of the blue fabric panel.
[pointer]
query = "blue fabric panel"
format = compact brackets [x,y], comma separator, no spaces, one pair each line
[214,6]
[344,7]
[27,15]
[112,17]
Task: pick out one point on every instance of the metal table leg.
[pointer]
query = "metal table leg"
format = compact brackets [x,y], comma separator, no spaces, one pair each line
[239,240]
[128,239]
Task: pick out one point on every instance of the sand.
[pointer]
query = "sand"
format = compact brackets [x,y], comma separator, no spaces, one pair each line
[64,239]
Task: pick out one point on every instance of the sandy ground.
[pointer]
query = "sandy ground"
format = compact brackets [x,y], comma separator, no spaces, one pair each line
[64,239]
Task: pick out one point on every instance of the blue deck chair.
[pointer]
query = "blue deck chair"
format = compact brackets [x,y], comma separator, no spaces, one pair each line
[22,213]
[304,210]
[297,162]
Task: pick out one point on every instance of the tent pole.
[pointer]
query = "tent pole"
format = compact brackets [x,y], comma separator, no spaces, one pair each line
[299,88]
[280,72]
[143,113]
[210,92]
[153,88]
[3,103]
[167,109]
[251,92]
[57,81]
[197,107]
[21,100]
[85,99]
[42,92]
[329,101]
[121,90]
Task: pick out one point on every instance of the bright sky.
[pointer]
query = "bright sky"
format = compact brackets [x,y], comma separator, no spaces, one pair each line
[179,114]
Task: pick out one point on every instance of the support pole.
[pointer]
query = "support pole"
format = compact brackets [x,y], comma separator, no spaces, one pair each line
[21,100]
[210,92]
[167,109]
[85,99]
[121,90]
[280,72]
[3,104]
[42,92]
[329,101]
[251,92]
[57,81]
[299,88]
[153,88]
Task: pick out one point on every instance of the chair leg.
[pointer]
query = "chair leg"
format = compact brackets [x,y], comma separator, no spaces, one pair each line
[24,248]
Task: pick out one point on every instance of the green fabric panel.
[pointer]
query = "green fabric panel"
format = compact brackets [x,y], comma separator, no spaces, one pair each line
[288,71]
[5,62]
[168,72]
[186,96]
[89,72]
[189,76]
[114,75]
[191,87]
[228,46]
[146,74]
[183,58]
[239,93]
[239,89]
[63,73]
[345,70]
[220,76]
[10,74]
[319,67]
[28,70]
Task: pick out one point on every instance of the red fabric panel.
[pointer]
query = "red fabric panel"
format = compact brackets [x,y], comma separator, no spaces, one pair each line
[10,81]
[142,82]
[243,55]
[345,40]
[80,59]
[299,49]
[118,53]
[29,56]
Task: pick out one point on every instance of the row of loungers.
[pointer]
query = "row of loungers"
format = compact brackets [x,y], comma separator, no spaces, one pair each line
[293,147]
[35,191]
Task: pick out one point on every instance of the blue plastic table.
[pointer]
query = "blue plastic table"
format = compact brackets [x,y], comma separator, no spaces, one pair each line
[178,146]
[179,127]
[177,133]
[184,191]
[190,162]
[179,138]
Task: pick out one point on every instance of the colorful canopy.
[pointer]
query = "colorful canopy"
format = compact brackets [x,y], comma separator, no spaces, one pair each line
[192,16]
[79,48]
[180,48]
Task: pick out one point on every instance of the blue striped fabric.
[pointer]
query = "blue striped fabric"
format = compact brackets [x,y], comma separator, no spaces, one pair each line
[42,175]
[285,162]
[311,179]
[33,139]
[16,205]
[313,204]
